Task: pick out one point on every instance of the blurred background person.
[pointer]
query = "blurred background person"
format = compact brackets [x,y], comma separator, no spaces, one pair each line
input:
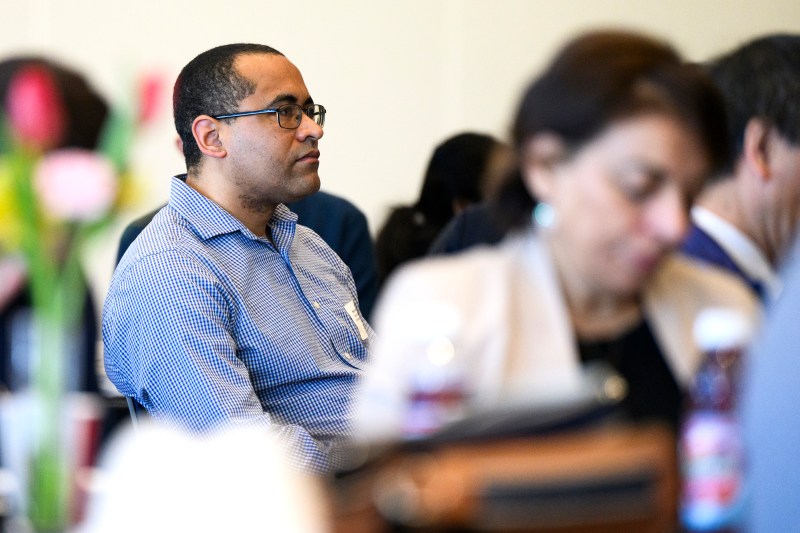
[460,173]
[85,112]
[746,219]
[477,224]
[614,139]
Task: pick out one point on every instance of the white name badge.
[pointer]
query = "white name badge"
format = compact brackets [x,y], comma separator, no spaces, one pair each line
[350,307]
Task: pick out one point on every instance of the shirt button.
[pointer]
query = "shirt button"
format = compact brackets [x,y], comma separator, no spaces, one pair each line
[316,305]
[347,356]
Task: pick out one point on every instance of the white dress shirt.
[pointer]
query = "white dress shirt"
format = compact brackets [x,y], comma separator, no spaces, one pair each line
[741,249]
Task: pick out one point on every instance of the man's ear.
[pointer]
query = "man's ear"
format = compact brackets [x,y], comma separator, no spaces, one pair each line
[206,134]
[755,148]
[540,155]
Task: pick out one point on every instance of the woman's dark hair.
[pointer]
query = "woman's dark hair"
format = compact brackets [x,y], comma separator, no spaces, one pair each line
[601,77]
[455,173]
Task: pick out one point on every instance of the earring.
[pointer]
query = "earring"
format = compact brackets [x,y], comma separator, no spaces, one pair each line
[544,216]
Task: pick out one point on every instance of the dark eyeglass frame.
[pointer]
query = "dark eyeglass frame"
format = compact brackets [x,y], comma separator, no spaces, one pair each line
[315,112]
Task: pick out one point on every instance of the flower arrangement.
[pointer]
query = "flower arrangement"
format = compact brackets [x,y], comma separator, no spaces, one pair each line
[53,200]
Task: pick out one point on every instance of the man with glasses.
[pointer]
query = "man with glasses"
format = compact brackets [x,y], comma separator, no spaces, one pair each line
[224,310]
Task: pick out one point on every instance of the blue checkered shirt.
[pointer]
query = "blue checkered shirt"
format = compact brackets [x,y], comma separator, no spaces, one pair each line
[206,324]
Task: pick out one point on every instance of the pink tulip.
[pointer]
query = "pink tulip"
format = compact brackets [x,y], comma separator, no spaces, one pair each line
[75,184]
[149,92]
[34,108]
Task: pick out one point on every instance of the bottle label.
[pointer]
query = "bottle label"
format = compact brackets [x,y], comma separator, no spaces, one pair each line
[429,411]
[712,461]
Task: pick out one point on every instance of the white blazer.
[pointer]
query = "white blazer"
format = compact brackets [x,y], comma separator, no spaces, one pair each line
[499,311]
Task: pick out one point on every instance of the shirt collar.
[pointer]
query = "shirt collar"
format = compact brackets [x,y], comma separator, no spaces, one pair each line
[744,252]
[209,219]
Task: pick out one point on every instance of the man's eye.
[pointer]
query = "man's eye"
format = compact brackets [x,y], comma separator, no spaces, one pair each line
[288,112]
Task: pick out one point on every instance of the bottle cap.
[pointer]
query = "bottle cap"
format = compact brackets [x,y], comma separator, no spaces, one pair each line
[719,328]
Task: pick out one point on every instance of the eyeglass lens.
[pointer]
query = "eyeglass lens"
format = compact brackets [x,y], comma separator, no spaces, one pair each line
[290,116]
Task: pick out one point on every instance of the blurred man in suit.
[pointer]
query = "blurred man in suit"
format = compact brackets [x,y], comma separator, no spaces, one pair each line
[747,218]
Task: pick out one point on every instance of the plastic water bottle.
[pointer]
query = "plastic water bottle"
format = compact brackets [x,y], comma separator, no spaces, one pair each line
[711,449]
[437,393]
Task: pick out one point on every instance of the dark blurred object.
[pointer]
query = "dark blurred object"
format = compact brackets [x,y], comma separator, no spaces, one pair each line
[461,172]
[605,478]
[15,319]
[474,225]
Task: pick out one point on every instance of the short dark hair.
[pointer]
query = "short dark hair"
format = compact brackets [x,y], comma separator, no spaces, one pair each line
[601,77]
[760,79]
[84,109]
[210,85]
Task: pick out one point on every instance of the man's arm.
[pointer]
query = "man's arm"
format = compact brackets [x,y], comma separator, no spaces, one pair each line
[168,336]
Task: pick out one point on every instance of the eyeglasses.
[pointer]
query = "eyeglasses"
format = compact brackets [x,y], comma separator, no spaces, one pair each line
[289,116]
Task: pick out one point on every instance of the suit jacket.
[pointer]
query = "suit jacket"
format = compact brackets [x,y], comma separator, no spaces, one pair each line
[702,246]
[501,315]
[473,226]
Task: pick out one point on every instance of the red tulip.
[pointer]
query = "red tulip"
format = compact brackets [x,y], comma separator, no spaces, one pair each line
[149,92]
[34,108]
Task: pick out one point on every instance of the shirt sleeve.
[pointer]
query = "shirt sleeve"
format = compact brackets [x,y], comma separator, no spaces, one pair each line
[168,338]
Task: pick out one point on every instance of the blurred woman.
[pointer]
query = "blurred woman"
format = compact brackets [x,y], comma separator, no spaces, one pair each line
[459,173]
[614,139]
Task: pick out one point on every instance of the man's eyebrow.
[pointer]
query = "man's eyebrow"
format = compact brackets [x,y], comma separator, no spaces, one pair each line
[287,99]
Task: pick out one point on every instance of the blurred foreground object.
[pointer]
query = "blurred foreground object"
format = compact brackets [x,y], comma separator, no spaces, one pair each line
[712,454]
[56,194]
[769,413]
[239,480]
[602,478]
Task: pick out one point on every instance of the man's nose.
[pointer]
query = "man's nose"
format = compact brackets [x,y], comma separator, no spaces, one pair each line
[309,128]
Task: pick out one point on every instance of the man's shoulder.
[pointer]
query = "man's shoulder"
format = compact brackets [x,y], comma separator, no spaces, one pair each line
[323,208]
[132,231]
[160,242]
[702,246]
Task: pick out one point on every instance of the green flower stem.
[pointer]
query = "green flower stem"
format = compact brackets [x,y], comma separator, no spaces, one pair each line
[57,288]
[49,484]
[55,324]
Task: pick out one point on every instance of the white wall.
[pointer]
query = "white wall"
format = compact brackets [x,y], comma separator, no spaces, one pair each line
[396,76]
